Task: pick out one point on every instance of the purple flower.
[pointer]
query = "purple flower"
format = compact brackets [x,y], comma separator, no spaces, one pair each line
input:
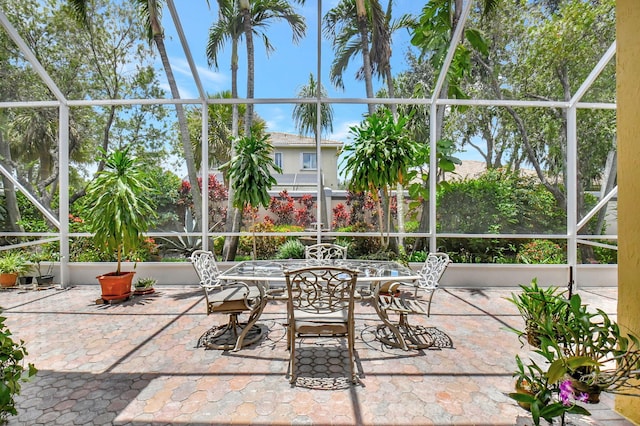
[566,393]
[583,397]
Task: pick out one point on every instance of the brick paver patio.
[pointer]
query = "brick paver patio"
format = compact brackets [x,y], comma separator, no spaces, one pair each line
[139,362]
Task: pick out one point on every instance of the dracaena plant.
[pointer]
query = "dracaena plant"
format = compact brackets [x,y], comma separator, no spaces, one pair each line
[251,173]
[121,208]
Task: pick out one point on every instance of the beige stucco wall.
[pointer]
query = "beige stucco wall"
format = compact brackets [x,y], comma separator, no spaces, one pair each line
[292,162]
[628,112]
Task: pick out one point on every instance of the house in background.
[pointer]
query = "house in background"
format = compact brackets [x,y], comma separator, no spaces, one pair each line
[297,157]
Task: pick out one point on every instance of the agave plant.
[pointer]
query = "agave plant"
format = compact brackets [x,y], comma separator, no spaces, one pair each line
[184,244]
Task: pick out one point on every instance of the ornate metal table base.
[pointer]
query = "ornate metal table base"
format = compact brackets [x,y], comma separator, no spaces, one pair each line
[231,336]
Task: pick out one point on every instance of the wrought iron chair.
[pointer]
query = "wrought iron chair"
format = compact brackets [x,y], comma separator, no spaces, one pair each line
[325,251]
[389,298]
[230,298]
[320,303]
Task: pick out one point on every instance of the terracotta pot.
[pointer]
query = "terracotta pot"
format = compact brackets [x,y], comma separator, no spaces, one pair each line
[116,287]
[8,280]
[142,291]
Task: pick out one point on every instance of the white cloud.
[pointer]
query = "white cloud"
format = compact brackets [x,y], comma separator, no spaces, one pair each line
[341,132]
[212,81]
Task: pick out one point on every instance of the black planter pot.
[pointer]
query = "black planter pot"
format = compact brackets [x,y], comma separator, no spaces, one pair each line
[25,280]
[44,279]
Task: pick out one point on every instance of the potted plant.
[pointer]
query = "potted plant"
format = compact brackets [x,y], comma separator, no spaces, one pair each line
[544,399]
[12,264]
[593,354]
[120,211]
[144,286]
[538,307]
[44,274]
[586,354]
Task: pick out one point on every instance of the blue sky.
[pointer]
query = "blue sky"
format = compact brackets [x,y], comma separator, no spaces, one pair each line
[281,74]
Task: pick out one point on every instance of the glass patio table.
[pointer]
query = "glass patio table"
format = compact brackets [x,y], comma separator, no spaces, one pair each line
[372,274]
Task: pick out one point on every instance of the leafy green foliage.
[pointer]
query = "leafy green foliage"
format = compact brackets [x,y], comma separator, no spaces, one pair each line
[266,247]
[12,370]
[536,306]
[498,202]
[541,252]
[250,171]
[291,249]
[381,153]
[535,393]
[585,351]
[120,205]
[433,33]
[359,246]
[13,262]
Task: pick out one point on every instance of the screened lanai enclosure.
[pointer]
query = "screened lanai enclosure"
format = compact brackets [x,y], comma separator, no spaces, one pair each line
[394,128]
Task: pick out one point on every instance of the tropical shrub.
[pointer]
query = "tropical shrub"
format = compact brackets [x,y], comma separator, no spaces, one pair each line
[418,256]
[12,371]
[360,246]
[282,207]
[266,246]
[541,251]
[291,249]
[498,202]
[341,216]
[288,211]
[495,202]
[217,206]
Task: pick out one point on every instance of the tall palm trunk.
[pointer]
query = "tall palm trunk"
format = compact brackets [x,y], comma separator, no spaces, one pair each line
[366,57]
[234,215]
[11,200]
[189,158]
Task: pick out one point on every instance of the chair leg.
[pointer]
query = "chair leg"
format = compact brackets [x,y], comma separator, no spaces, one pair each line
[351,343]
[429,304]
[292,355]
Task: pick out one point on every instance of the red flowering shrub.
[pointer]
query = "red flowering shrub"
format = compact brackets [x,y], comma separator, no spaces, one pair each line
[286,213]
[340,216]
[282,207]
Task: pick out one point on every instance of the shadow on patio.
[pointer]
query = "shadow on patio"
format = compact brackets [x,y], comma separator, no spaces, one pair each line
[138,362]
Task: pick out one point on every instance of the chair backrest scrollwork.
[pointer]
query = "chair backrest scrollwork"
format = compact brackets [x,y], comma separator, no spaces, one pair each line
[433,268]
[204,263]
[325,251]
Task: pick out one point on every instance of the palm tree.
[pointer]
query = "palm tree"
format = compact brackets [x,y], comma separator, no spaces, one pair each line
[347,27]
[235,19]
[305,117]
[150,11]
[356,26]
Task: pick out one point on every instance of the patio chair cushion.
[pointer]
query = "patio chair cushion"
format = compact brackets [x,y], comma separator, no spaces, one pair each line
[232,299]
[322,323]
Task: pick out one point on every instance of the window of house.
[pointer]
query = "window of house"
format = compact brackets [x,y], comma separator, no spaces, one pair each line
[309,161]
[278,159]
